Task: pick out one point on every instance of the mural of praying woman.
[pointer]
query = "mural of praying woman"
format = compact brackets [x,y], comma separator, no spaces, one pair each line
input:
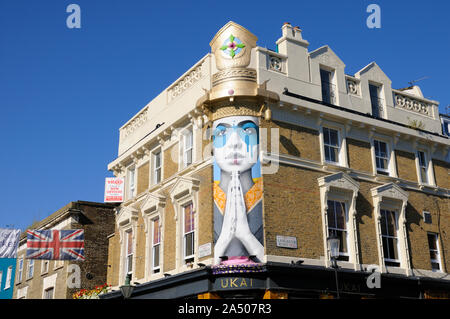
[238,225]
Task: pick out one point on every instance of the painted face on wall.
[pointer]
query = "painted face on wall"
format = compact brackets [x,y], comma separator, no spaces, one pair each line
[235,143]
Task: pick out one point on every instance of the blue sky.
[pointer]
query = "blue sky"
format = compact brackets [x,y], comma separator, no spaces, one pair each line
[64,92]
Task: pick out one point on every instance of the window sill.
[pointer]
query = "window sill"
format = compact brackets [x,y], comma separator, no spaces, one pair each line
[428,186]
[396,270]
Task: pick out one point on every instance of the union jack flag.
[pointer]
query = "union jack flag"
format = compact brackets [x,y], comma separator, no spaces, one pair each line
[55,244]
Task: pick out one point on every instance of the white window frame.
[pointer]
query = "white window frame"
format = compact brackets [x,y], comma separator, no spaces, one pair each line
[152,208]
[45,265]
[342,159]
[190,257]
[189,131]
[392,197]
[327,131]
[391,168]
[428,168]
[397,260]
[156,168]
[8,277]
[437,251]
[380,95]
[46,290]
[340,187]
[30,266]
[156,268]
[126,221]
[58,264]
[424,218]
[379,158]
[131,181]
[22,293]
[183,192]
[341,200]
[333,86]
[20,270]
[127,271]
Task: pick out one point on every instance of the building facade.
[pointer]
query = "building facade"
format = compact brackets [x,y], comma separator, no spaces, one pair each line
[59,279]
[238,173]
[7,271]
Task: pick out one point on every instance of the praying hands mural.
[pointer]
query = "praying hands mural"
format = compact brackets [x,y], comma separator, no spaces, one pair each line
[238,226]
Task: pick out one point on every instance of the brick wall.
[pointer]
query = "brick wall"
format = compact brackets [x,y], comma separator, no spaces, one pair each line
[418,229]
[140,252]
[292,208]
[205,207]
[365,223]
[441,172]
[97,220]
[359,156]
[171,165]
[169,243]
[294,140]
[98,224]
[406,165]
[143,178]
[113,259]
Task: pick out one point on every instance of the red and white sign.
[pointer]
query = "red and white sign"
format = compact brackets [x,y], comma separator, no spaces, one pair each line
[114,189]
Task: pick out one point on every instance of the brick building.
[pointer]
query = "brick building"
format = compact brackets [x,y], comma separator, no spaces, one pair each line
[240,170]
[48,279]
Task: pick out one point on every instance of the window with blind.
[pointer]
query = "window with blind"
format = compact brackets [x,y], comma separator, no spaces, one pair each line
[129,252]
[189,232]
[156,244]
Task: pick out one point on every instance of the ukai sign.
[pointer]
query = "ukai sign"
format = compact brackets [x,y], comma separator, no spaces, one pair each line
[226,283]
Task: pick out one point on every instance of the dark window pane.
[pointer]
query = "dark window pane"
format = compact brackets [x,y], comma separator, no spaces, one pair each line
[189,244]
[391,224]
[435,266]
[385,247]
[343,241]
[432,241]
[383,223]
[326,135]
[327,153]
[156,256]
[333,137]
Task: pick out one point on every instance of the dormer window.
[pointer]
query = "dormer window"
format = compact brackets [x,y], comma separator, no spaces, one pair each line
[376,100]
[328,88]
